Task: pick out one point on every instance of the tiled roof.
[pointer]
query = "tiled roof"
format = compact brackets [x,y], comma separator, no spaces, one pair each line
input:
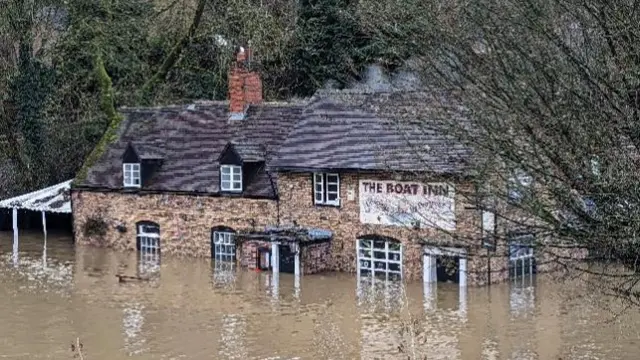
[190,142]
[148,151]
[343,130]
[248,150]
[366,130]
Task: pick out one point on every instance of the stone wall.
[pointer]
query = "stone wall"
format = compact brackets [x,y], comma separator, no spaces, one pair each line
[315,258]
[185,221]
[296,204]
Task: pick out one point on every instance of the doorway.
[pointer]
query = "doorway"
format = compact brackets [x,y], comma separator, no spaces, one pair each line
[287,258]
[445,264]
[448,269]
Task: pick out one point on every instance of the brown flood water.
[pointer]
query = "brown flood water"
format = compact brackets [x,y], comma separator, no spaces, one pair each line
[188,313]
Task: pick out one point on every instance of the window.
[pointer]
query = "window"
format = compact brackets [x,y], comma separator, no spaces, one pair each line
[326,189]
[230,178]
[521,256]
[223,251]
[224,246]
[131,175]
[148,244]
[379,258]
[518,184]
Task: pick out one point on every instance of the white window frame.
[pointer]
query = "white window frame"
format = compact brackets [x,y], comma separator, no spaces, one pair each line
[321,183]
[223,241]
[149,252]
[130,173]
[231,171]
[525,252]
[149,241]
[368,262]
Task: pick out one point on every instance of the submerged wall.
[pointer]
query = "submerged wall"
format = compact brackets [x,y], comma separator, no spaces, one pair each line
[296,204]
[185,221]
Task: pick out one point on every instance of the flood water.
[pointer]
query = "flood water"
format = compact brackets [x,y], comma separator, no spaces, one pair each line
[191,310]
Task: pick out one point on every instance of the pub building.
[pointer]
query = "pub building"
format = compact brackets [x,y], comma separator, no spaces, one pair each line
[354,181]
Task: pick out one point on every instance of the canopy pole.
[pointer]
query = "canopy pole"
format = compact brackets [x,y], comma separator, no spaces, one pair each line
[15,236]
[44,230]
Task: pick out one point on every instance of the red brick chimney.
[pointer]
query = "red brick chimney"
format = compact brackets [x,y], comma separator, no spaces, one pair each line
[245,86]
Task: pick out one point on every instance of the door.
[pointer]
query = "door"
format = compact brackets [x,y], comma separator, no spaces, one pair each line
[287,259]
[264,259]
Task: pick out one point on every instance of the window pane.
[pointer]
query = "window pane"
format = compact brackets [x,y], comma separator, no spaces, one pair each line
[225,170]
[332,179]
[365,244]
[394,246]
[318,197]
[226,185]
[237,186]
[394,267]
[318,178]
[319,188]
[236,177]
[332,196]
[332,188]
[379,244]
[379,255]
[380,265]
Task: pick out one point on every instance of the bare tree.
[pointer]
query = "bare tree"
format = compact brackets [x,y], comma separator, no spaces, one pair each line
[550,89]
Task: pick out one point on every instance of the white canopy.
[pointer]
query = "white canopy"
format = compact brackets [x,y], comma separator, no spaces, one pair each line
[56,199]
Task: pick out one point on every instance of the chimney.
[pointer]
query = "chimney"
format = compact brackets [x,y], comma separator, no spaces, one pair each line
[245,85]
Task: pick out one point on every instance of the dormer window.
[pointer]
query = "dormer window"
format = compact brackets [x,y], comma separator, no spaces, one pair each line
[131,175]
[231,178]
[140,162]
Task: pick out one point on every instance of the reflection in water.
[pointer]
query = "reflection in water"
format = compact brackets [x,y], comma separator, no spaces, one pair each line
[132,322]
[44,305]
[375,294]
[490,349]
[34,273]
[443,325]
[232,338]
[224,273]
[148,264]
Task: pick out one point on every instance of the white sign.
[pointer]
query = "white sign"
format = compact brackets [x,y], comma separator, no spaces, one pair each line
[403,203]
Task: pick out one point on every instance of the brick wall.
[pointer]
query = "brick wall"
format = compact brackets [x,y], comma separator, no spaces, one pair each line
[249,253]
[315,258]
[296,204]
[185,221]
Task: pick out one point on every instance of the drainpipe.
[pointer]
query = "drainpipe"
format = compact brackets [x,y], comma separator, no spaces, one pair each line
[275,191]
[488,267]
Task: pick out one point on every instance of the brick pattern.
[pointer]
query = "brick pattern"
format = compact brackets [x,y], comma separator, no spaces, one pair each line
[185,221]
[296,204]
[249,253]
[245,87]
[315,258]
